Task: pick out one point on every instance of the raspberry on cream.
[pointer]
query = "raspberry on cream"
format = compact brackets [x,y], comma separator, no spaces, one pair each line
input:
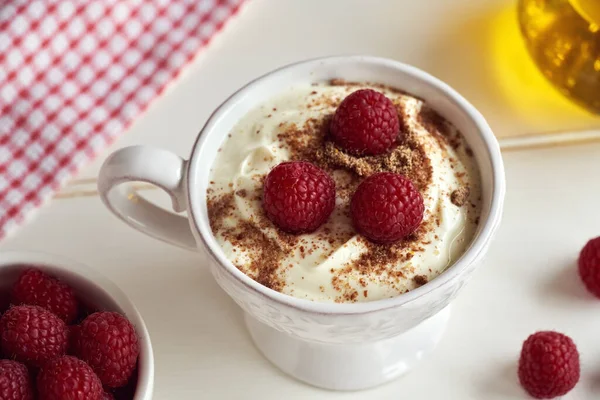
[335,263]
[365,123]
[298,197]
[386,207]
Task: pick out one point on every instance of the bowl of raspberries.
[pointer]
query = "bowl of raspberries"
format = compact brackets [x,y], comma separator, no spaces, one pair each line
[66,332]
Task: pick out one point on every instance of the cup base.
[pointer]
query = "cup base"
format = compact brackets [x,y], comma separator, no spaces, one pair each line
[348,367]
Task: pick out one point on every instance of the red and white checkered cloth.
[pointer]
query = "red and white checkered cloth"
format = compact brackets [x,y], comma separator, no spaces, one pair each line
[73,76]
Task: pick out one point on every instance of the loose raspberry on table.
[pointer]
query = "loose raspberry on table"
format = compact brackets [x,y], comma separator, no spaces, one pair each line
[15,382]
[589,266]
[365,123]
[549,365]
[298,197]
[67,377]
[32,335]
[37,288]
[386,207]
[107,341]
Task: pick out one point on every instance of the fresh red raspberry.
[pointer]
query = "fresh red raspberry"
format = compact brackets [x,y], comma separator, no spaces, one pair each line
[589,266]
[15,382]
[365,123]
[32,335]
[107,341]
[298,197]
[549,365]
[67,377]
[386,207]
[36,288]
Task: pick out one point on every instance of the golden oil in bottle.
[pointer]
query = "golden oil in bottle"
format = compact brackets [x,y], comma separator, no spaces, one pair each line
[563,37]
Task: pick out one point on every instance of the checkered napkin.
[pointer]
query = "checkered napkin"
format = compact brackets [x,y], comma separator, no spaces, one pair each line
[75,74]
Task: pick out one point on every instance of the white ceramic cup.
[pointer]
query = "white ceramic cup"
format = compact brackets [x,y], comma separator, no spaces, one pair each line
[335,346]
[94,289]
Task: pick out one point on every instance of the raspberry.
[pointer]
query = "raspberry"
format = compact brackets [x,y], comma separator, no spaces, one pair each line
[109,344]
[589,266]
[36,288]
[365,123]
[549,365]
[386,207]
[32,335]
[67,377]
[298,197]
[15,383]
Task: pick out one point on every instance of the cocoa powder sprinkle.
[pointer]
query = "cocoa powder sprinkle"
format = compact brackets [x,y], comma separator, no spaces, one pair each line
[420,280]
[311,142]
[460,196]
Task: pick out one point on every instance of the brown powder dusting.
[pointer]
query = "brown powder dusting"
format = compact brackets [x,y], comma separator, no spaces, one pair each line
[403,159]
[352,296]
[345,190]
[460,196]
[440,128]
[219,209]
[310,143]
[390,264]
[267,259]
[265,254]
[420,280]
[338,82]
[431,120]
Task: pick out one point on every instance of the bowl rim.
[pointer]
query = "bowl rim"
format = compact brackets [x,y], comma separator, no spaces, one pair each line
[145,383]
[203,232]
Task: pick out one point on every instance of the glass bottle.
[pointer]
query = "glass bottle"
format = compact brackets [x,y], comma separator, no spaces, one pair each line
[563,37]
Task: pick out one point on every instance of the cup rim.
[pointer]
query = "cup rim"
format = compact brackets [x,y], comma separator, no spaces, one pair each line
[145,382]
[203,232]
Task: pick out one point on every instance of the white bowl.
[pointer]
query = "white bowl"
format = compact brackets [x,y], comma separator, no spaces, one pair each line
[92,288]
[336,346]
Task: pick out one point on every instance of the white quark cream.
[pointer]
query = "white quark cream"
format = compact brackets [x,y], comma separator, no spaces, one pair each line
[335,263]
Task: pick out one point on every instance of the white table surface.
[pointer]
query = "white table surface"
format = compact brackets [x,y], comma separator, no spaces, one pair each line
[527,283]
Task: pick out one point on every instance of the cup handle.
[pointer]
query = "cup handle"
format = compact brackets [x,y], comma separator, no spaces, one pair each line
[158,167]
